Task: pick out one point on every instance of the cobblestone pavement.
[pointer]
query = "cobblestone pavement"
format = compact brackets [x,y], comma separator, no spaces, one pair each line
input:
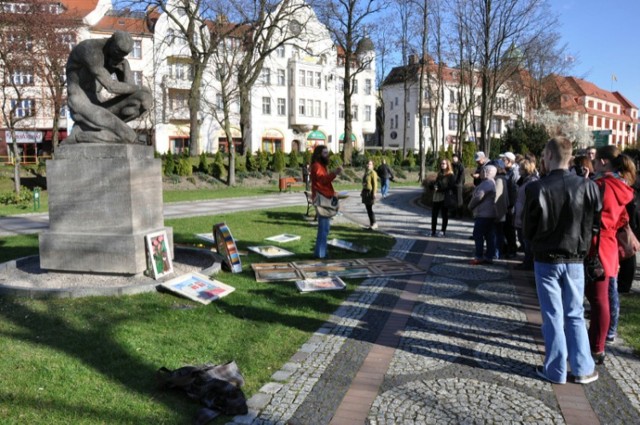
[460,342]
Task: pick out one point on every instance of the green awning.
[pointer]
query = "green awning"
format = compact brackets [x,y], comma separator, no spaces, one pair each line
[316,135]
[353,137]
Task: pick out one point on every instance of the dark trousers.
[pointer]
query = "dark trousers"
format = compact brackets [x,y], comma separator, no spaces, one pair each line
[484,231]
[510,235]
[372,216]
[626,273]
[435,210]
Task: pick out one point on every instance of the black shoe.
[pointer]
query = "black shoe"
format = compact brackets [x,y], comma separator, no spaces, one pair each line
[598,358]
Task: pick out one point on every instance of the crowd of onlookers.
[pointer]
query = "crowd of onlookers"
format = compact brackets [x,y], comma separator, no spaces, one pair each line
[561,210]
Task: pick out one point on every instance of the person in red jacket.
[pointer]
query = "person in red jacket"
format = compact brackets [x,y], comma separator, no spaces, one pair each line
[321,182]
[615,173]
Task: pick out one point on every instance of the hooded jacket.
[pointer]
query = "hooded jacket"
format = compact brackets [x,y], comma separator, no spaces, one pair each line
[617,194]
[559,215]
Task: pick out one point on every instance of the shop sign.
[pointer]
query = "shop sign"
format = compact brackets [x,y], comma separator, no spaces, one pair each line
[316,135]
[24,136]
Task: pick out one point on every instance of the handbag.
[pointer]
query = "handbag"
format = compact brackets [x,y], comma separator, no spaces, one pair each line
[628,244]
[368,197]
[326,207]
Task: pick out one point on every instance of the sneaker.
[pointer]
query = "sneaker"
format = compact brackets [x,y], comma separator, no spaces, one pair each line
[441,235]
[541,374]
[598,358]
[611,339]
[586,379]
[374,226]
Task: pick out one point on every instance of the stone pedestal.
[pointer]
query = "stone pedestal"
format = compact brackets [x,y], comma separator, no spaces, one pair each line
[103,200]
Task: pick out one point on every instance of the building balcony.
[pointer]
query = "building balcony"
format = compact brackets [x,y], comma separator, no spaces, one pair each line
[179,114]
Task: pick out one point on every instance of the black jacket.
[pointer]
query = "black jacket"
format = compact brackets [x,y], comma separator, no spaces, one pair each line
[559,216]
[384,172]
[458,172]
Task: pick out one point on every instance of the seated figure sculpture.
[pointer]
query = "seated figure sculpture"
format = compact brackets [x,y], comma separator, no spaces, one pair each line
[89,68]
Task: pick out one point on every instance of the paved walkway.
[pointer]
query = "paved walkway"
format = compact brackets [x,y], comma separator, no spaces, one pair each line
[457,345]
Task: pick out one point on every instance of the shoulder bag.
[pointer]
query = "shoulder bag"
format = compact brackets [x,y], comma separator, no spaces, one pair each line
[628,244]
[326,207]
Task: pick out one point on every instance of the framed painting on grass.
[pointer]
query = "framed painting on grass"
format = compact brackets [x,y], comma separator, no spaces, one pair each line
[283,238]
[159,254]
[226,246]
[349,246]
[270,251]
[198,287]
[324,284]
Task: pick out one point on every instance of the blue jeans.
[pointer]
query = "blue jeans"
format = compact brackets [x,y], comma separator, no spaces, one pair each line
[614,307]
[560,292]
[484,230]
[320,250]
[384,187]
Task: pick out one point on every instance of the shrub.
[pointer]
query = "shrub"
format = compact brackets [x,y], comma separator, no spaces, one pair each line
[23,199]
[294,159]
[410,160]
[203,166]
[306,157]
[278,162]
[191,179]
[169,165]
[241,163]
[468,153]
[262,159]
[335,160]
[183,167]
[218,170]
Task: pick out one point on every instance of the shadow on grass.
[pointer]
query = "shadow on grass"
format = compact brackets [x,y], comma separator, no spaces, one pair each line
[94,347]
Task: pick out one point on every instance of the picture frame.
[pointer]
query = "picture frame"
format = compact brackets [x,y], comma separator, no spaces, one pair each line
[349,246]
[158,254]
[270,251]
[283,238]
[226,247]
[322,284]
[207,237]
[198,287]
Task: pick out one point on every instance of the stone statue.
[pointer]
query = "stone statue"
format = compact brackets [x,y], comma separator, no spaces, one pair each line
[89,68]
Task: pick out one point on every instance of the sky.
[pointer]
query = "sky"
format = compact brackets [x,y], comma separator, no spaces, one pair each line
[603,36]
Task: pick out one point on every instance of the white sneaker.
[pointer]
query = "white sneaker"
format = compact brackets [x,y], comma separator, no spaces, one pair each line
[374,226]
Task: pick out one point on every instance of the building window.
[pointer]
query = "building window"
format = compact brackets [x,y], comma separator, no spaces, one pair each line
[180,145]
[452,96]
[178,99]
[426,119]
[453,121]
[280,51]
[367,86]
[606,107]
[599,122]
[319,80]
[309,107]
[391,107]
[302,107]
[590,104]
[266,76]
[266,105]
[181,70]
[408,119]
[590,121]
[341,84]
[24,108]
[367,113]
[599,106]
[271,145]
[22,77]
[396,121]
[136,53]
[318,109]
[137,78]
[391,122]
[355,86]
[282,106]
[396,102]
[281,78]
[301,78]
[64,110]
[219,102]
[341,111]
[354,112]
[67,39]
[496,126]
[309,78]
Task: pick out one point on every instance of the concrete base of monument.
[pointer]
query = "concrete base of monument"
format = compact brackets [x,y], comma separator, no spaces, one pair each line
[25,278]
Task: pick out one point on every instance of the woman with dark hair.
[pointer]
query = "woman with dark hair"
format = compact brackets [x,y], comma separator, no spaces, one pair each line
[528,174]
[321,182]
[615,173]
[368,194]
[444,197]
[582,166]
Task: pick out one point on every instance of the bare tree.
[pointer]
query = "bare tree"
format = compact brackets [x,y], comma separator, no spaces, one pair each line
[501,26]
[18,92]
[347,22]
[385,50]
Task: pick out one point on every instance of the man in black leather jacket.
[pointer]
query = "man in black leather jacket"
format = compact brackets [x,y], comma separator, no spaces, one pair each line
[560,210]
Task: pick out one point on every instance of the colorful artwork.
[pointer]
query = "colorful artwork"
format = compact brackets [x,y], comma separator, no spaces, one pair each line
[198,288]
[283,238]
[326,284]
[159,254]
[270,251]
[227,247]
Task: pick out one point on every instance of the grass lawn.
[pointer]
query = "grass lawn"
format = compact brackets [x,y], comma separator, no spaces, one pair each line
[629,326]
[93,360]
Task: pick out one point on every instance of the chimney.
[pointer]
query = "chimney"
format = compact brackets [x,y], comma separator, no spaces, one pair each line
[413,59]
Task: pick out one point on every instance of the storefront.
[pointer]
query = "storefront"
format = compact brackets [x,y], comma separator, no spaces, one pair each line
[223,144]
[353,141]
[272,141]
[316,138]
[29,146]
